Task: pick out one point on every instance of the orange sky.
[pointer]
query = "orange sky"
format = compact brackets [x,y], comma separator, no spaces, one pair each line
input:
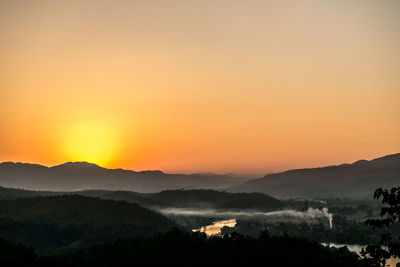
[189,86]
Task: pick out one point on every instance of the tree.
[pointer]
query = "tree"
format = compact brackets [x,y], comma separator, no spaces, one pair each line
[389,246]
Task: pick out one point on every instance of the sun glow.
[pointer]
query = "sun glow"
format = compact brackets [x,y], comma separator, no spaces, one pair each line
[91,142]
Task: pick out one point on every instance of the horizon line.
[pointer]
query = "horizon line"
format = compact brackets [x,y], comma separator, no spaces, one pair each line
[195,173]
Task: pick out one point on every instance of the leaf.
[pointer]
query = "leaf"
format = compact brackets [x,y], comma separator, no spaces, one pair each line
[378,193]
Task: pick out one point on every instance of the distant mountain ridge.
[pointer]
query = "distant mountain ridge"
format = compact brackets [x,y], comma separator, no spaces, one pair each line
[197,198]
[356,180]
[72,176]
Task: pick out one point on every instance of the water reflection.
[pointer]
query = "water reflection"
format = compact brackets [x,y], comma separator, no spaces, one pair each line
[215,228]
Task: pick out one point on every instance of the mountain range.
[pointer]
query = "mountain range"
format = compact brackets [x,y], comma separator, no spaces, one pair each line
[74,176]
[356,180]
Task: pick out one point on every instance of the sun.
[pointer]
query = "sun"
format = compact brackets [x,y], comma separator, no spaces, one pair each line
[93,142]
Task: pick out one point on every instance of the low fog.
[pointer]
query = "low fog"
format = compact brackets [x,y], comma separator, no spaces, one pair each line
[311,213]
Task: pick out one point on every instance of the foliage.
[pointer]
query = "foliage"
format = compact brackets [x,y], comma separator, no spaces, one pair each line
[389,245]
[177,248]
[16,255]
[343,231]
[50,224]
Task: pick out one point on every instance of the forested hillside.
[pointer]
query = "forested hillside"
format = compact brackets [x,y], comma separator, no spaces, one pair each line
[176,248]
[61,222]
[200,198]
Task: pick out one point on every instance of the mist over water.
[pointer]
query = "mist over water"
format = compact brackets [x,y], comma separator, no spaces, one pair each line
[310,213]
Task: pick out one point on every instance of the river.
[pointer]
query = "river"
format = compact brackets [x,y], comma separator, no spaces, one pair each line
[215,228]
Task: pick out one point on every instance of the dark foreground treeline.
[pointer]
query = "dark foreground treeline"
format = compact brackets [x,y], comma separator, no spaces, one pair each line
[177,248]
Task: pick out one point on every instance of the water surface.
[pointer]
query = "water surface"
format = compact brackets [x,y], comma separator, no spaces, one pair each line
[215,228]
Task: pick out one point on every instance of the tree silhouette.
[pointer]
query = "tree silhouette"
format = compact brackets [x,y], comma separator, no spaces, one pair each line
[389,246]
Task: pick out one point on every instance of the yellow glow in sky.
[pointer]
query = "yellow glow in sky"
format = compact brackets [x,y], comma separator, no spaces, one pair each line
[92,142]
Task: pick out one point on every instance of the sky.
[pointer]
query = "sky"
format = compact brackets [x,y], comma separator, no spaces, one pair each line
[199,86]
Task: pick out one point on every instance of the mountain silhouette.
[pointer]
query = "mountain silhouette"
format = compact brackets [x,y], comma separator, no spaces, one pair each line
[72,176]
[357,180]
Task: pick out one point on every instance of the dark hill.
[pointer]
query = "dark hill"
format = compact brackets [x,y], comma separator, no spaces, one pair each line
[169,198]
[76,209]
[60,222]
[357,180]
[15,193]
[216,200]
[132,197]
